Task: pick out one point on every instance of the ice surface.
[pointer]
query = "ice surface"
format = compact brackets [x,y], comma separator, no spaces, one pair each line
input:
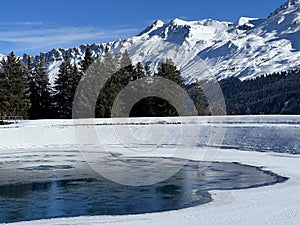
[66,193]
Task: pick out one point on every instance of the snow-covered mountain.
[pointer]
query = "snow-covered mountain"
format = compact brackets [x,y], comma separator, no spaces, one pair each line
[2,57]
[206,48]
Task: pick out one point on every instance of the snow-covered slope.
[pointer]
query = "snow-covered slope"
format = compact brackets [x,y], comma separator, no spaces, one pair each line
[2,57]
[206,48]
[271,45]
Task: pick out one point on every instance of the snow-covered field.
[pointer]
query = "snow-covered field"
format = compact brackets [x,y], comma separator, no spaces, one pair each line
[271,142]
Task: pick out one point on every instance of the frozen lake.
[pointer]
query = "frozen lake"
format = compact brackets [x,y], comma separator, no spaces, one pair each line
[47,153]
[58,191]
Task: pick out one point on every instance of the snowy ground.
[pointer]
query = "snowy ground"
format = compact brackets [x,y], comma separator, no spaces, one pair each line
[277,136]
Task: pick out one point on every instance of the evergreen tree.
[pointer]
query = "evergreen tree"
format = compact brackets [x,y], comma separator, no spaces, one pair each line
[120,80]
[139,71]
[127,69]
[89,78]
[125,59]
[88,90]
[169,71]
[87,61]
[14,87]
[76,76]
[110,63]
[117,81]
[40,91]
[147,70]
[65,86]
[107,69]
[3,94]
[200,101]
[152,107]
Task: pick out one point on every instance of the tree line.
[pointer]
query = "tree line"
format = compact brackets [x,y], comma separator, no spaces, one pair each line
[26,91]
[277,93]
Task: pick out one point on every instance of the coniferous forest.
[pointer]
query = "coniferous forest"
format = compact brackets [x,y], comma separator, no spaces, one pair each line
[26,91]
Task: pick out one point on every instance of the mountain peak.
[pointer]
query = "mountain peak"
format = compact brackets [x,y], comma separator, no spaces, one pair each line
[245,21]
[158,23]
[178,22]
[154,26]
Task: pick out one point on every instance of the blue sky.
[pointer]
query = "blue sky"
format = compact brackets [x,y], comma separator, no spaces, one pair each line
[32,26]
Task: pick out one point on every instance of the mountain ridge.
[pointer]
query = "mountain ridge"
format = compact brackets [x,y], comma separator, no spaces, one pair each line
[208,48]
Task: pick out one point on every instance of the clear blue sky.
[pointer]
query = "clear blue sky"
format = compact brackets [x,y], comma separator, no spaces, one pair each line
[32,26]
